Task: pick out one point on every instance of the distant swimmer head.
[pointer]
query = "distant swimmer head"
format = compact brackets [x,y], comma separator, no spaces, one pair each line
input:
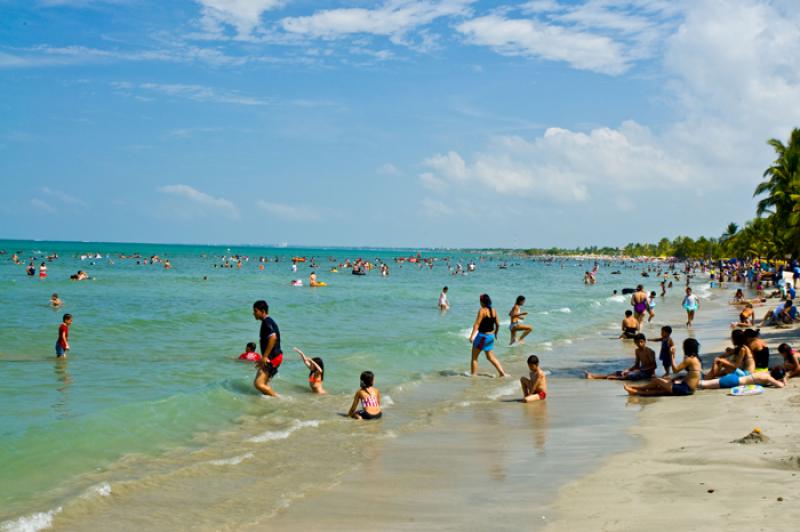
[777,373]
[691,347]
[251,346]
[486,301]
[520,300]
[367,379]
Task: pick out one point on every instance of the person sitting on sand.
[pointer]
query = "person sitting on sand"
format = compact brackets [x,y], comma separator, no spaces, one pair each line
[517,315]
[775,377]
[369,397]
[644,365]
[783,314]
[738,359]
[791,361]
[683,385]
[738,297]
[534,387]
[316,372]
[630,326]
[758,347]
[747,317]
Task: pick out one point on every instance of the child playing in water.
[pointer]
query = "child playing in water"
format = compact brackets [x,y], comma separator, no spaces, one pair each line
[534,388]
[370,398]
[651,307]
[55,302]
[250,353]
[316,371]
[667,353]
[62,344]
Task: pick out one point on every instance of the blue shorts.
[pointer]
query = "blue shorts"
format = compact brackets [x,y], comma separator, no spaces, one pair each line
[484,342]
[59,350]
[731,380]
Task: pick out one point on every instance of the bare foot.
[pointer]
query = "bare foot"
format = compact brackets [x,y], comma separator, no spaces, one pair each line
[630,389]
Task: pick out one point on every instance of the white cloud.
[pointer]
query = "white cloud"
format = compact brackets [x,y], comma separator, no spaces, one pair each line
[47,56]
[62,197]
[388,169]
[289,212]
[393,18]
[200,203]
[564,165]
[432,182]
[435,208]
[528,37]
[42,205]
[243,15]
[198,93]
[732,83]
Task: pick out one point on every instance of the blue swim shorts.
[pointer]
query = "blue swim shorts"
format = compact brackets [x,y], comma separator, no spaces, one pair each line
[484,342]
[731,380]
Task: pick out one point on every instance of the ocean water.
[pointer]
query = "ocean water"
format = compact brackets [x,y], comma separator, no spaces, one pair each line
[151,410]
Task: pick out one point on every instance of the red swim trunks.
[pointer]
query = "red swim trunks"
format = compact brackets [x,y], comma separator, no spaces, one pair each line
[542,395]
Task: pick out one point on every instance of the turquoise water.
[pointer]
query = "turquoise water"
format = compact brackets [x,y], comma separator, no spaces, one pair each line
[151,378]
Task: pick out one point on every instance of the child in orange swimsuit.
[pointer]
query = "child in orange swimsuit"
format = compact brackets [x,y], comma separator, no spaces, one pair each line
[316,372]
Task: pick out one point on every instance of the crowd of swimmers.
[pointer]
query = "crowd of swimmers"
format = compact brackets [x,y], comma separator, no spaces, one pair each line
[745,363]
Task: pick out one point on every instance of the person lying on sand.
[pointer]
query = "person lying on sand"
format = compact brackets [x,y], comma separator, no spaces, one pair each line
[776,377]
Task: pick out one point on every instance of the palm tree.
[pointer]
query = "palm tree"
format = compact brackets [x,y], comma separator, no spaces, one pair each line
[782,188]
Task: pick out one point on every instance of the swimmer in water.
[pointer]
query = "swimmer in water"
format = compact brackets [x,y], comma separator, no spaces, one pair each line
[369,397]
[443,304]
[250,353]
[517,315]
[316,371]
[534,387]
[55,302]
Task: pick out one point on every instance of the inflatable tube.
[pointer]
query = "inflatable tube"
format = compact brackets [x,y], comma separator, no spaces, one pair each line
[749,389]
[297,282]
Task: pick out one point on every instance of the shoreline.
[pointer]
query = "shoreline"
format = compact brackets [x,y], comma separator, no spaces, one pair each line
[687,470]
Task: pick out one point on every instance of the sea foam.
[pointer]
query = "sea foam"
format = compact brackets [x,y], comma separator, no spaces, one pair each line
[236,460]
[283,434]
[31,523]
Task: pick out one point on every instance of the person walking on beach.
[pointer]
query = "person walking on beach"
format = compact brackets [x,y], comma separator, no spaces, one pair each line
[62,344]
[484,332]
[270,344]
[639,302]
[517,315]
[690,304]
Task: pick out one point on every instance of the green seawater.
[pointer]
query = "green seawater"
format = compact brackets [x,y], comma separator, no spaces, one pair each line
[151,376]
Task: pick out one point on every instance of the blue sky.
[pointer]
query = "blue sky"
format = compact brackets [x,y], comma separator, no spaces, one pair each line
[390,123]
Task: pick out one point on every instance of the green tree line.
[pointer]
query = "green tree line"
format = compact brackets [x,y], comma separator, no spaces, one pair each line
[773,234]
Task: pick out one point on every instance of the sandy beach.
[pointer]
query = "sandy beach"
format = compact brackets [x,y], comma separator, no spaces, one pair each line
[690,472]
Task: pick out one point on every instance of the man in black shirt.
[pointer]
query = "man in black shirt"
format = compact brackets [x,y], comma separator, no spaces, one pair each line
[270,343]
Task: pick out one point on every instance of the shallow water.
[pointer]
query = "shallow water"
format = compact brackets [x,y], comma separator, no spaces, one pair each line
[150,407]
